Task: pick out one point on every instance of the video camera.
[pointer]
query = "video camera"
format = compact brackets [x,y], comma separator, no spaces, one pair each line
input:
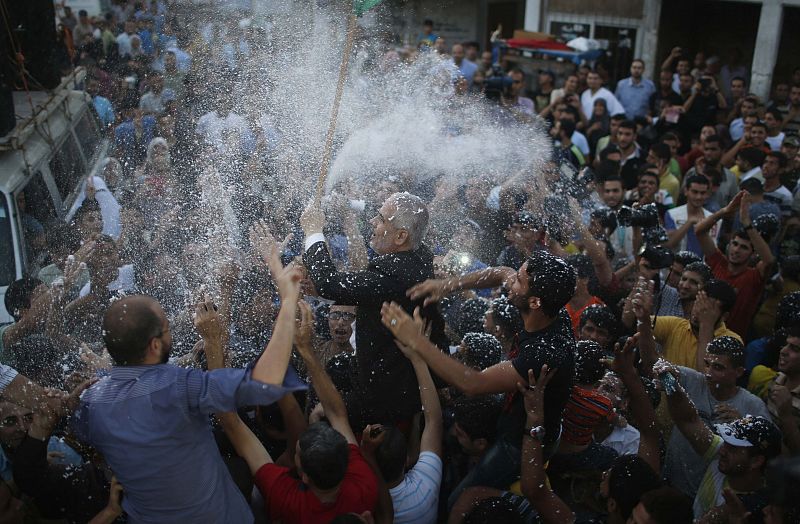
[644,217]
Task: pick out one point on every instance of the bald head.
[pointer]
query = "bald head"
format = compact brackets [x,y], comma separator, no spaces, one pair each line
[458,53]
[128,327]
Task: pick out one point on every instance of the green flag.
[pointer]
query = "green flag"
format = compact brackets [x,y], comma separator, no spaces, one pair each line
[362,6]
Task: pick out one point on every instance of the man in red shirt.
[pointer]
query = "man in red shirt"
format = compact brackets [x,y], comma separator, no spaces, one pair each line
[734,266]
[332,478]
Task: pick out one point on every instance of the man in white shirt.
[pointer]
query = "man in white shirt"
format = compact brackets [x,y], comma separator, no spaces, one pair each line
[215,126]
[774,122]
[595,91]
[124,39]
[517,89]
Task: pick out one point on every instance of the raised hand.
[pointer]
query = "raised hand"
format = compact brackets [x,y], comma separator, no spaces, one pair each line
[313,219]
[304,334]
[407,330]
[624,357]
[207,321]
[431,290]
[533,394]
[265,244]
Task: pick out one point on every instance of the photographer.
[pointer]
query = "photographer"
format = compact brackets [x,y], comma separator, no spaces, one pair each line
[703,103]
[680,221]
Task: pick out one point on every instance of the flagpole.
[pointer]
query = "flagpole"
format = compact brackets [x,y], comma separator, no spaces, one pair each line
[328,151]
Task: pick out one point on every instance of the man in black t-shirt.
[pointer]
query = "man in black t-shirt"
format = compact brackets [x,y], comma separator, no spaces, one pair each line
[540,290]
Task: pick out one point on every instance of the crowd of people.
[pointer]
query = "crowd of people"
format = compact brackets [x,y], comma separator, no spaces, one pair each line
[613,339]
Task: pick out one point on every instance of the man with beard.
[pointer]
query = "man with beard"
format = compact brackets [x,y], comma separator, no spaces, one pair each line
[389,390]
[540,290]
[150,420]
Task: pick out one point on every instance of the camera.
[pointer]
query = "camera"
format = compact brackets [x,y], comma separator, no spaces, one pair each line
[496,86]
[606,217]
[705,82]
[659,257]
[644,217]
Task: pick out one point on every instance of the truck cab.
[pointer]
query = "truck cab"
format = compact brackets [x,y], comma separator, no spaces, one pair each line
[57,143]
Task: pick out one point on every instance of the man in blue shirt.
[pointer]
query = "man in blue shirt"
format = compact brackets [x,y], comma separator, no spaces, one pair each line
[105,111]
[150,419]
[634,92]
[464,66]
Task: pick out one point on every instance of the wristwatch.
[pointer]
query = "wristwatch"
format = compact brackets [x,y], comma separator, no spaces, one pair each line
[536,433]
[748,227]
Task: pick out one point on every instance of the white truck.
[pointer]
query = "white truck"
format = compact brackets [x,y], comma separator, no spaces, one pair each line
[57,143]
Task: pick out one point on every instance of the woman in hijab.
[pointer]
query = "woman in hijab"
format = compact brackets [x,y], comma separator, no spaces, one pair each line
[95,188]
[599,123]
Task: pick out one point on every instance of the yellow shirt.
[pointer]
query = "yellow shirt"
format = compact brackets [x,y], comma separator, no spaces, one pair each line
[680,343]
[670,183]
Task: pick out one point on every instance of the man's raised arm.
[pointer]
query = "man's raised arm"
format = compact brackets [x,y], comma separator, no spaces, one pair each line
[329,397]
[433,290]
[271,366]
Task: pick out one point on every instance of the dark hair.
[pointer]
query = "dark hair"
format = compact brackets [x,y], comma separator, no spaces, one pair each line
[715,139]
[18,295]
[323,455]
[696,179]
[729,346]
[391,454]
[506,316]
[427,21]
[493,509]
[629,478]
[666,505]
[588,367]
[752,155]
[482,350]
[129,325]
[582,265]
[608,171]
[788,311]
[782,160]
[567,126]
[550,279]
[477,416]
[602,317]
[702,269]
[775,114]
[469,318]
[722,291]
[661,151]
[669,136]
[645,170]
[619,117]
[89,205]
[758,123]
[753,186]
[686,257]
[628,124]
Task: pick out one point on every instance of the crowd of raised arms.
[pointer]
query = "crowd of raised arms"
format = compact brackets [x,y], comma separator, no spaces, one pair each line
[617,341]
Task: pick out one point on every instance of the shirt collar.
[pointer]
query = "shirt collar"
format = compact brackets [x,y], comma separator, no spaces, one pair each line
[130,372]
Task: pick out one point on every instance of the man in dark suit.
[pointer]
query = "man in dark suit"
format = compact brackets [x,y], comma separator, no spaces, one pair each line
[388,386]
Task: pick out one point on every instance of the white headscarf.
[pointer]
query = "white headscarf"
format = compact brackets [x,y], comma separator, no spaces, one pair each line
[109,207]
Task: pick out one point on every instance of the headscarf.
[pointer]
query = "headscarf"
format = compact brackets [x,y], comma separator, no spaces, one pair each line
[109,207]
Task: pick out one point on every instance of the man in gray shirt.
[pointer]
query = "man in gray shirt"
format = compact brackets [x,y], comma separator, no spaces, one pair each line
[718,400]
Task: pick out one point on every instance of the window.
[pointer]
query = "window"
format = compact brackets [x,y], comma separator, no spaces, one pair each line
[8,271]
[88,135]
[37,214]
[67,167]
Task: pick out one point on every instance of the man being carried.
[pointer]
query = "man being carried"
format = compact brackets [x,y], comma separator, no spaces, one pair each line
[389,386]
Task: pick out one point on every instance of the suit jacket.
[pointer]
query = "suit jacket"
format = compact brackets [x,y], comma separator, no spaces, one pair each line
[387,382]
